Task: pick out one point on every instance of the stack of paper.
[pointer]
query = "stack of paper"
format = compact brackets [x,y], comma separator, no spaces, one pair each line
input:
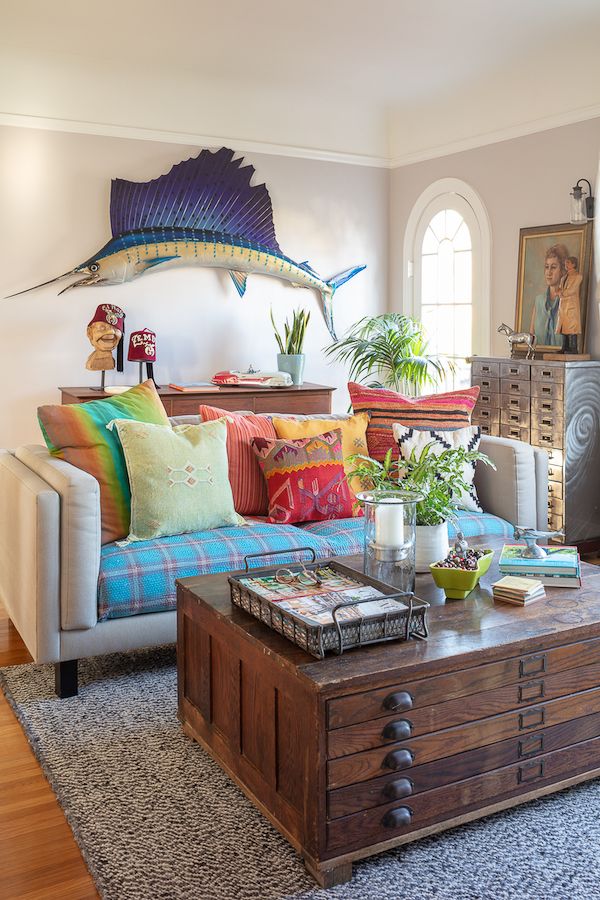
[517,590]
[560,567]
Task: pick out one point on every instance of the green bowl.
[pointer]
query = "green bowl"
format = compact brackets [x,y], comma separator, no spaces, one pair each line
[458,583]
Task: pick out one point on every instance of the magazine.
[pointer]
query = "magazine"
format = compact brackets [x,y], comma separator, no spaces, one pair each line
[314,604]
[560,560]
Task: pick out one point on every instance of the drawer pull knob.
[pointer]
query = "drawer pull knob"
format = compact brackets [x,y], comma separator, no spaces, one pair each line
[396,790]
[397,731]
[396,818]
[399,701]
[398,759]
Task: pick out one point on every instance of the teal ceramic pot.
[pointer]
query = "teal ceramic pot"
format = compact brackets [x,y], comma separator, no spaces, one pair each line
[458,583]
[293,363]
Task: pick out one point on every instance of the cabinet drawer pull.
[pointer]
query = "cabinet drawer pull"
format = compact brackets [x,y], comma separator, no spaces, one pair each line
[532,718]
[531,772]
[547,407]
[398,759]
[396,818]
[514,418]
[484,413]
[398,701]
[547,373]
[547,422]
[515,387]
[530,745]
[396,790]
[546,390]
[397,731]
[514,403]
[532,665]
[530,692]
[485,370]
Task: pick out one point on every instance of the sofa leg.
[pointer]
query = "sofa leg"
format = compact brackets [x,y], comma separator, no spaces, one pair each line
[65,678]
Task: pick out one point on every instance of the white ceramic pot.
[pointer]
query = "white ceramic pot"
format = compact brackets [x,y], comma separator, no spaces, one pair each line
[431,545]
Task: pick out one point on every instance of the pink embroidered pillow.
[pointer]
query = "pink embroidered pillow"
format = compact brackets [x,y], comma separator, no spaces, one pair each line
[305,478]
[247,483]
[441,412]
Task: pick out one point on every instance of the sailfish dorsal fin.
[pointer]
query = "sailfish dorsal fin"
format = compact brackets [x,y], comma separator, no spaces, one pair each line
[210,191]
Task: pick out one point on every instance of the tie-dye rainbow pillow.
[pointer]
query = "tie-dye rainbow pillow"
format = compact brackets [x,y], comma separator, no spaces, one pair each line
[78,434]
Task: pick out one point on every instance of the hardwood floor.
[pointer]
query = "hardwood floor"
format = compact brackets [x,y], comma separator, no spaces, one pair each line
[40,858]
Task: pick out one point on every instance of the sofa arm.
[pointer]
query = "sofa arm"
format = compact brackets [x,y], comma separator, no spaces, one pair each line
[518,489]
[79,534]
[30,557]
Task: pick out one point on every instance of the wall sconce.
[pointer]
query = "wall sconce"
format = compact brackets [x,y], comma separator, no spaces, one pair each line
[582,206]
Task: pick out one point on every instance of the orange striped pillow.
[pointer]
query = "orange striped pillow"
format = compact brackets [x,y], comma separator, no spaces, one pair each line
[245,476]
[441,412]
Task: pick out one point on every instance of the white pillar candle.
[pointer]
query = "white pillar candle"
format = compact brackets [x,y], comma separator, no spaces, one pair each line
[389,523]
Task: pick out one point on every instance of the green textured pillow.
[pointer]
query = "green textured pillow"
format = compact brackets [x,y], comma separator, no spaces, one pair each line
[77,433]
[178,478]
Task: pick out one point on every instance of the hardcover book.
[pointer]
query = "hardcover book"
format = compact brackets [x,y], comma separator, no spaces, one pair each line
[559,560]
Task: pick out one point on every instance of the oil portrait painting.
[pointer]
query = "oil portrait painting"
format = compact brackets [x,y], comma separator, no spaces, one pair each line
[552,285]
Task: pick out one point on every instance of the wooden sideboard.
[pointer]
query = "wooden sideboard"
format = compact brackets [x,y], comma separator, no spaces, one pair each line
[554,405]
[304,399]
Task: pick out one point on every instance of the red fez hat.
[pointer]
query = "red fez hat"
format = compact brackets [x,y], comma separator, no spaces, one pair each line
[142,346]
[109,313]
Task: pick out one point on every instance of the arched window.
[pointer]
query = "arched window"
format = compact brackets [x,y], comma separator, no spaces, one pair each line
[447,273]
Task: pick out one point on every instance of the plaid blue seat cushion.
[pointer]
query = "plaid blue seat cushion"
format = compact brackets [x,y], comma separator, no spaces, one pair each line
[140,577]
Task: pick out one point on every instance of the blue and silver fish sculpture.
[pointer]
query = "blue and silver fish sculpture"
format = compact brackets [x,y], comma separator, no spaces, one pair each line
[203,212]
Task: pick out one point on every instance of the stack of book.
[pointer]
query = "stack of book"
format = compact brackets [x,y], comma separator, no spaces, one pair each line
[559,568]
[518,591]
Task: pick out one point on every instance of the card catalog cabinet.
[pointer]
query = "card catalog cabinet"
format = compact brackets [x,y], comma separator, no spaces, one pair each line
[554,405]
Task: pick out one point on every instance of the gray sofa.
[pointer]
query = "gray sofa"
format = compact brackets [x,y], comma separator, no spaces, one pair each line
[50,552]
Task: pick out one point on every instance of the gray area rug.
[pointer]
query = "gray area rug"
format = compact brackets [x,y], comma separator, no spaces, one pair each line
[156,818]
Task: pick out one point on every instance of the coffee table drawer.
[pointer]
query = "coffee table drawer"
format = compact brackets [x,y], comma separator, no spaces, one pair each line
[391,729]
[407,754]
[400,699]
[399,785]
[413,812]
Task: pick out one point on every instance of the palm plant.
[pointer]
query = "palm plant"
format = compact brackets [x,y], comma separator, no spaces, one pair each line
[292,342]
[393,349]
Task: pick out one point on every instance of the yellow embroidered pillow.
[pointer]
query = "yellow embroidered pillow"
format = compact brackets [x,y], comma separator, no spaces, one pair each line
[178,477]
[354,440]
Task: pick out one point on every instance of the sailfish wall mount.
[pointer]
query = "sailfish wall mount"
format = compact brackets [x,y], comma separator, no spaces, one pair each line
[204,212]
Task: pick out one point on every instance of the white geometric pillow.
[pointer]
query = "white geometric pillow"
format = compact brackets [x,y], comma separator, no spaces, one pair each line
[408,440]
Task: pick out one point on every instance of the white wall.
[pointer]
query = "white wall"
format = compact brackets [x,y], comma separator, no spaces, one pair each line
[54,214]
[522,182]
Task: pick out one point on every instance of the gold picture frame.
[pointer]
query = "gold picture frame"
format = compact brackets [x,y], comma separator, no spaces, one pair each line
[543,251]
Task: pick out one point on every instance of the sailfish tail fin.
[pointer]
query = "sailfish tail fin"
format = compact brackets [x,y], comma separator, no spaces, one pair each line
[333,284]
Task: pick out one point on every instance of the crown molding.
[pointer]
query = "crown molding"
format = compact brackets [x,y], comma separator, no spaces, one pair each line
[495,137]
[178,137]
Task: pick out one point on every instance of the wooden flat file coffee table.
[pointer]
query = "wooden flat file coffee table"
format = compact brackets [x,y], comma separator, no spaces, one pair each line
[353,755]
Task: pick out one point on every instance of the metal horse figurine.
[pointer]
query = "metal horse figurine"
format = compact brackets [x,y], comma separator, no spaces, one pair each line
[518,337]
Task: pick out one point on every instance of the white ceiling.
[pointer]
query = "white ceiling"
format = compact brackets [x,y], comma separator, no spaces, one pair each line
[387,80]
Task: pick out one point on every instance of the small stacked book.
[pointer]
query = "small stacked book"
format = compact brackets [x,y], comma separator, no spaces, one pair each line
[559,568]
[518,591]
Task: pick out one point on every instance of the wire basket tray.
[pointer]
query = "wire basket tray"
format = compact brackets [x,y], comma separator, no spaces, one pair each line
[339,635]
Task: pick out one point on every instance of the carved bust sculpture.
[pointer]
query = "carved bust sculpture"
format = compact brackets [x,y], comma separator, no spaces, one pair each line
[104,333]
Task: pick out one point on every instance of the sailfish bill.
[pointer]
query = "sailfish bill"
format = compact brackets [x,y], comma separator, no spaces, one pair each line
[203,212]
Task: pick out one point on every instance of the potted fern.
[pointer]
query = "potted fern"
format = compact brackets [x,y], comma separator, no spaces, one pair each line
[291,345]
[438,477]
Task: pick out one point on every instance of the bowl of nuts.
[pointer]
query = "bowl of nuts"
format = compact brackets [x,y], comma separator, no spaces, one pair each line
[459,573]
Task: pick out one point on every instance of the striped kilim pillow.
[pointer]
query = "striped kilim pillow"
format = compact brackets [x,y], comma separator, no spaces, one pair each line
[246,479]
[443,412]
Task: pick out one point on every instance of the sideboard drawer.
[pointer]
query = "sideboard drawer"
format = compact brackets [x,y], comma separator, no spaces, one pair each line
[555,489]
[544,406]
[480,367]
[514,369]
[515,388]
[514,404]
[547,437]
[514,418]
[515,432]
[548,373]
[485,416]
[556,507]
[486,383]
[347,800]
[487,399]
[413,812]
[548,390]
[555,472]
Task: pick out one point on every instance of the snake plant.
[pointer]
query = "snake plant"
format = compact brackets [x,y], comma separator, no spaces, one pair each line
[292,341]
